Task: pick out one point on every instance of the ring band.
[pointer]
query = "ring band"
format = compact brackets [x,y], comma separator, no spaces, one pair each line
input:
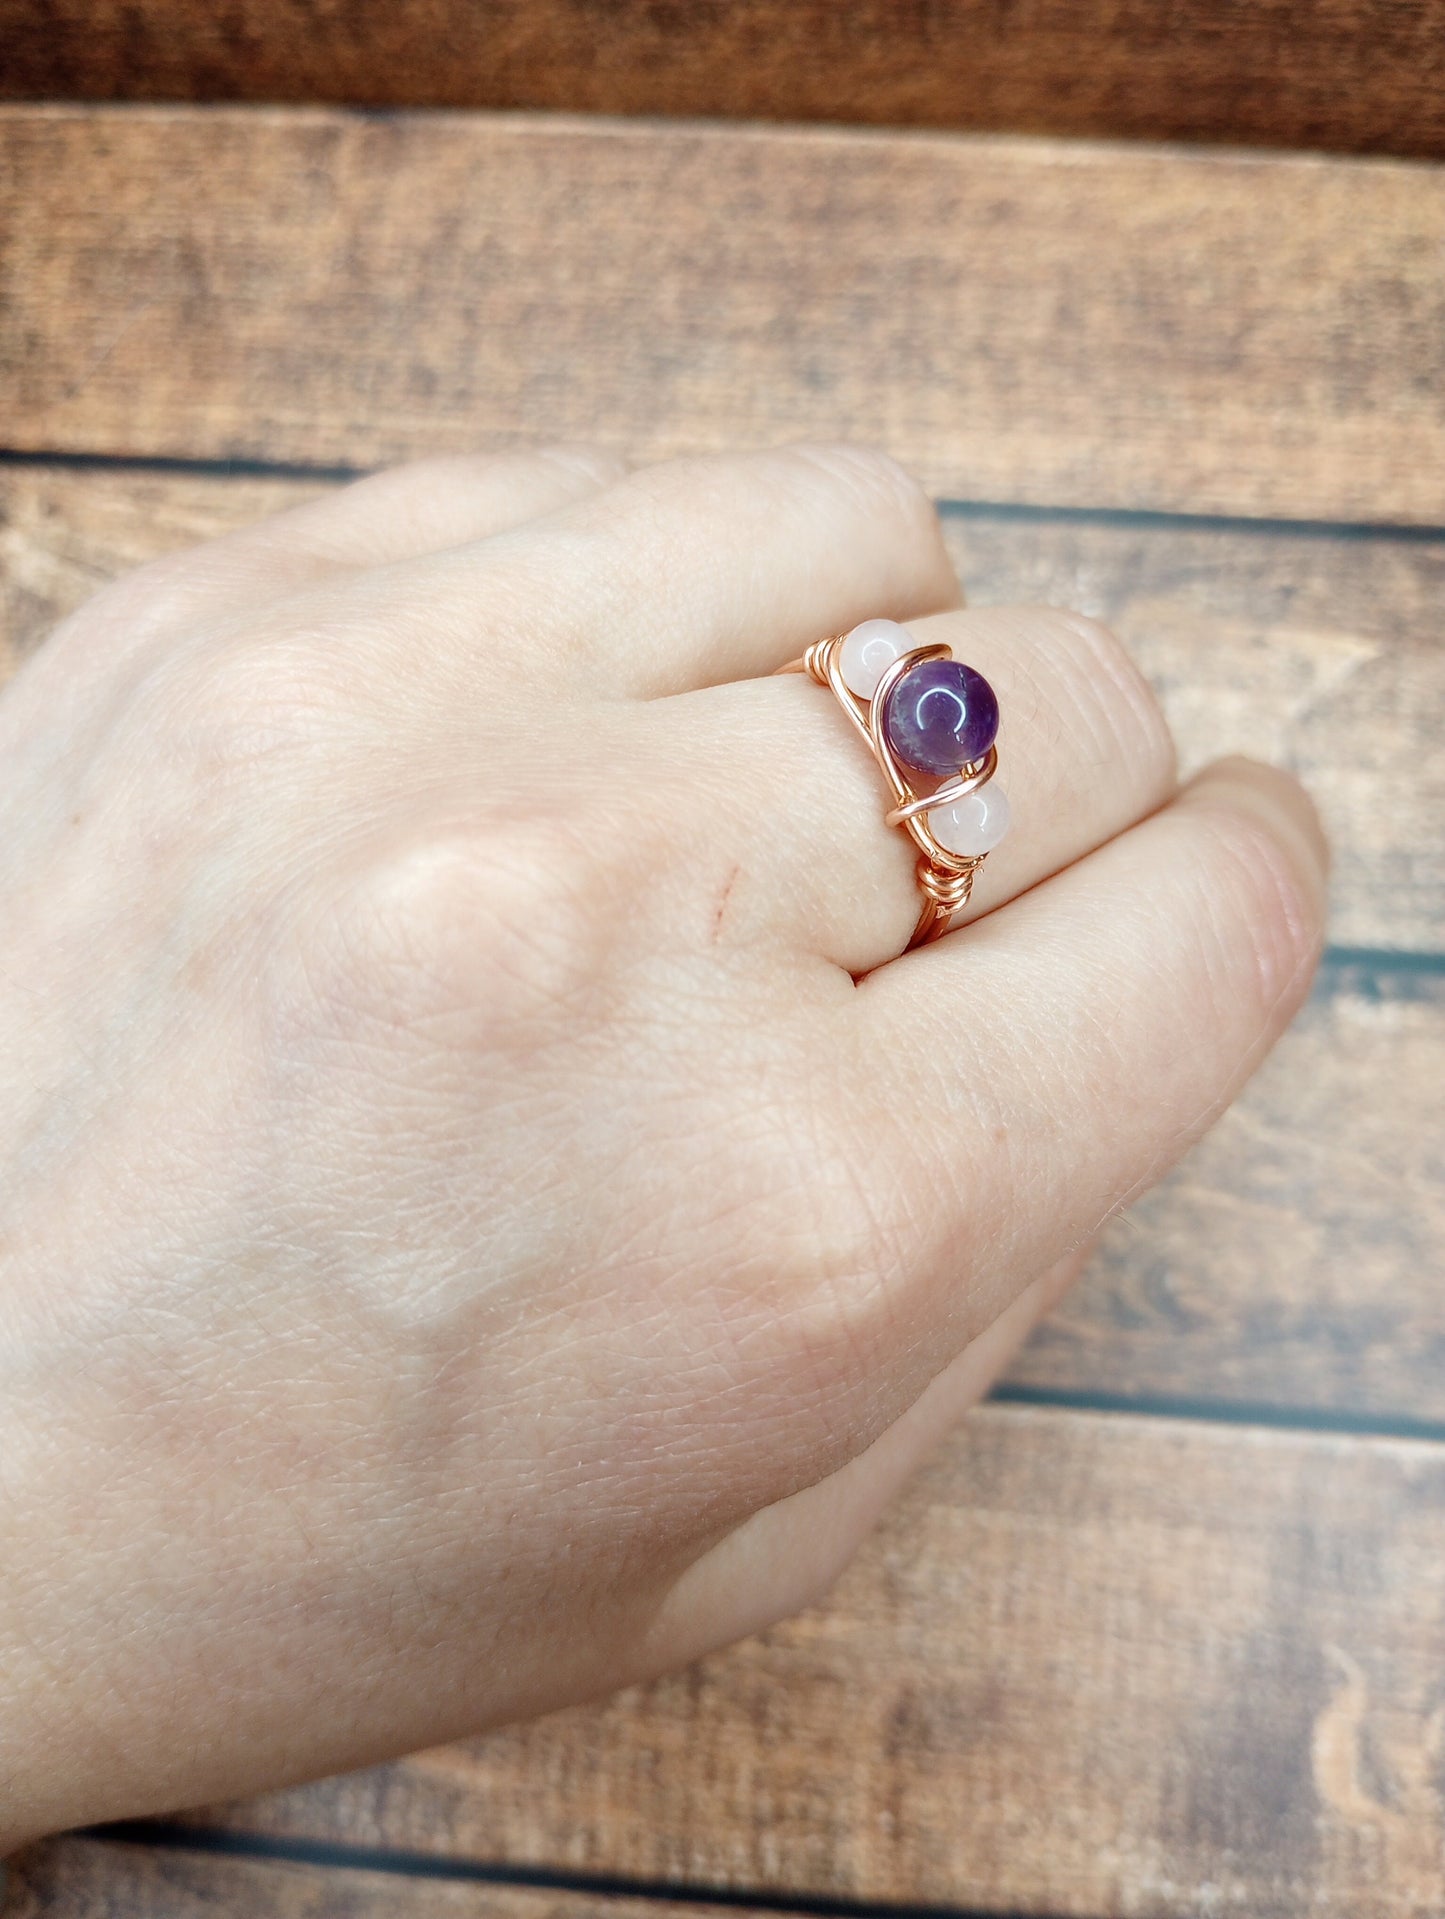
[922,714]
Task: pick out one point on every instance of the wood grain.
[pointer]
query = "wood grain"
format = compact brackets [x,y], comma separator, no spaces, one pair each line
[83,1878]
[1293,1261]
[1020,321]
[1364,75]
[1090,1665]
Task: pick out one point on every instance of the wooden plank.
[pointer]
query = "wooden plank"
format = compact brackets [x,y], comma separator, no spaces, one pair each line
[1091,1664]
[1366,75]
[82,1878]
[1018,320]
[1293,1260]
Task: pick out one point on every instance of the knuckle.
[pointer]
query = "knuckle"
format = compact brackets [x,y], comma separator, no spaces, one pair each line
[438,472]
[158,597]
[408,477]
[224,709]
[870,479]
[1263,923]
[491,933]
[1120,711]
[593,465]
[201,723]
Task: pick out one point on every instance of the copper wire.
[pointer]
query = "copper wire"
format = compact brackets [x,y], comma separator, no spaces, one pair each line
[945,879]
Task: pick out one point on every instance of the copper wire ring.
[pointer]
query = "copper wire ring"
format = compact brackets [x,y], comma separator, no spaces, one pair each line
[945,879]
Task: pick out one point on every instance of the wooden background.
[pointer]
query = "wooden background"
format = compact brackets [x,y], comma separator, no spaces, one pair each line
[1162,1631]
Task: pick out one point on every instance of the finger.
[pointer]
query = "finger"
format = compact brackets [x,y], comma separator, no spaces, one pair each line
[1084,752]
[787,1557]
[1033,1072]
[686,573]
[384,519]
[428,506]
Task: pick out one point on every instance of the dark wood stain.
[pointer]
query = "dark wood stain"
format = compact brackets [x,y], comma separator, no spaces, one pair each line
[1364,76]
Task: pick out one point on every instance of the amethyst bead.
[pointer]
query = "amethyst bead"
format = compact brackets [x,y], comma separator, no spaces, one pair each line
[939,716]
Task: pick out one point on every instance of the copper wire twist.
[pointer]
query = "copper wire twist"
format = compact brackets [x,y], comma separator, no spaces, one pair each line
[945,879]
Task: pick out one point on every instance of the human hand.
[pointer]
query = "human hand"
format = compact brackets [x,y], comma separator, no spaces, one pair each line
[485,1215]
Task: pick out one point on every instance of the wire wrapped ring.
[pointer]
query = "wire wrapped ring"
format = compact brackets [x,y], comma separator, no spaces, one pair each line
[924,717]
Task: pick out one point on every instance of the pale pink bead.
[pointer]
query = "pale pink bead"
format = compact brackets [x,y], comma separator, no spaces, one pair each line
[973,825]
[868,652]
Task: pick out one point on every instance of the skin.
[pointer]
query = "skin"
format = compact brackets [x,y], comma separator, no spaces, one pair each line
[485,1213]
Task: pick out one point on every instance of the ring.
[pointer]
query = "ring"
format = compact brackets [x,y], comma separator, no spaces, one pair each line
[924,716]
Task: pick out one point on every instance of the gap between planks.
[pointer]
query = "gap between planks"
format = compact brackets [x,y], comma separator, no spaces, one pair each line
[157,1871]
[616,1892]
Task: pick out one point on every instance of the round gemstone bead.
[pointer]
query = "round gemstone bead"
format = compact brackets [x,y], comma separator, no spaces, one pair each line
[939,716]
[868,652]
[973,825]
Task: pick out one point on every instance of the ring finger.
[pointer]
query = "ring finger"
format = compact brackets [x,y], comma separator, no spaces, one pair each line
[1084,752]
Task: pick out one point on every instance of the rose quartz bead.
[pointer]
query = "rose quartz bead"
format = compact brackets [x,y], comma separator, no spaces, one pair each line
[868,652]
[973,825]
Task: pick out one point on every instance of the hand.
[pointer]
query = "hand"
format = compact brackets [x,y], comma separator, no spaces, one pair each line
[485,1215]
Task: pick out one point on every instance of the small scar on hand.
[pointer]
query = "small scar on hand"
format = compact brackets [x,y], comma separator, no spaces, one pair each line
[721,908]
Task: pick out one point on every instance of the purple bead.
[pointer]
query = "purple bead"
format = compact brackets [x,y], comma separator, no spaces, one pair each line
[939,716]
